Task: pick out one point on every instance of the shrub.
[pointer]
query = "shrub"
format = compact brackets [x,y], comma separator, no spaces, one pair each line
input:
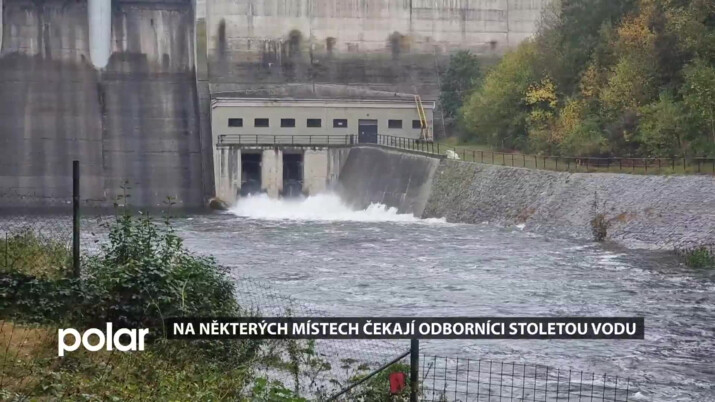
[144,274]
[599,228]
[698,257]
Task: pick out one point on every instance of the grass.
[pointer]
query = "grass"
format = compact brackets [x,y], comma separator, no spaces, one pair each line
[165,371]
[27,252]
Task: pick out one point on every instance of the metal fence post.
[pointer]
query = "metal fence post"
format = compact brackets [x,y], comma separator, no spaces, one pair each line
[414,369]
[75,219]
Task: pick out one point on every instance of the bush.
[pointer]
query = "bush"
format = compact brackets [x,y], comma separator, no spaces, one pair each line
[144,274]
[599,228]
[698,257]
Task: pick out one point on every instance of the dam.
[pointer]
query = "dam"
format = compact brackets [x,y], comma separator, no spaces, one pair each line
[131,87]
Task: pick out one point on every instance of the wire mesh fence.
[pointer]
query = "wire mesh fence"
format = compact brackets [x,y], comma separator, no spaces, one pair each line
[37,235]
[319,370]
[460,379]
[334,363]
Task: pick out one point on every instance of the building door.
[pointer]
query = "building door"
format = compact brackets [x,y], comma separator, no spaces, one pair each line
[367,130]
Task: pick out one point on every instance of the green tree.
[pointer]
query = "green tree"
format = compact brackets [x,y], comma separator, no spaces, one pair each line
[662,127]
[462,75]
[496,113]
[699,98]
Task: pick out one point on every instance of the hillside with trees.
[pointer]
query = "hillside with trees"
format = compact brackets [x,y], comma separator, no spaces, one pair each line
[604,78]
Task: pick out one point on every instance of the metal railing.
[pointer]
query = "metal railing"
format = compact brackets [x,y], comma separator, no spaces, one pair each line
[460,379]
[298,140]
[441,379]
[691,165]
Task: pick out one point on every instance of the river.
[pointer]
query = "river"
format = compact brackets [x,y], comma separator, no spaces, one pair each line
[342,262]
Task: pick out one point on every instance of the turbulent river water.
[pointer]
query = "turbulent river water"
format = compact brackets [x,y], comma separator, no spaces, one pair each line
[376,262]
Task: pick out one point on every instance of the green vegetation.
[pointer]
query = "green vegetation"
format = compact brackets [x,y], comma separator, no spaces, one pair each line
[604,78]
[140,276]
[698,257]
[36,255]
[462,75]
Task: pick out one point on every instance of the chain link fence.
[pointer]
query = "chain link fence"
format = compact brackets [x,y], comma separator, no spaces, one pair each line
[40,235]
[37,235]
[461,379]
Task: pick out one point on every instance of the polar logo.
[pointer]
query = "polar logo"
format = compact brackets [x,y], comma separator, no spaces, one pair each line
[110,339]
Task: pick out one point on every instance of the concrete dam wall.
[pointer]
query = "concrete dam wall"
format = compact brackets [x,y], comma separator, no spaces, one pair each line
[134,120]
[353,48]
[657,212]
[126,86]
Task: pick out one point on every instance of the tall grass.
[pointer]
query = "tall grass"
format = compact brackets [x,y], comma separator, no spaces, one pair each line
[27,252]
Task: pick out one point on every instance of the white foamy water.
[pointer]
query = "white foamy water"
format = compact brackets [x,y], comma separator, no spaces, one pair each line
[320,207]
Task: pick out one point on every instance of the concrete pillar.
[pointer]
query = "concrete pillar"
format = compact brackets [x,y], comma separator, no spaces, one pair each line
[99,13]
[315,171]
[336,161]
[272,172]
[227,173]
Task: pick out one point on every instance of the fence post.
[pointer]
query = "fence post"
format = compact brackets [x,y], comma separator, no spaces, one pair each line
[75,219]
[414,369]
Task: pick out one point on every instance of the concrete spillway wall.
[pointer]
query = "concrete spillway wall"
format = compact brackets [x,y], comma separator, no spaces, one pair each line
[135,120]
[397,179]
[658,212]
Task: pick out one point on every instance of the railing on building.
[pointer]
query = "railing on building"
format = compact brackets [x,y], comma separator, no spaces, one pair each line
[285,140]
[680,165]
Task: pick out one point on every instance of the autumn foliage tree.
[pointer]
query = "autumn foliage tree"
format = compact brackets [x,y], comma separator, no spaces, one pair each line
[605,78]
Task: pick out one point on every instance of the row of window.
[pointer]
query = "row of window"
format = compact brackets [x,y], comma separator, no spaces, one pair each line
[315,123]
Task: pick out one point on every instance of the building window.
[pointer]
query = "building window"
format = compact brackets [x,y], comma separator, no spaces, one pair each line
[340,123]
[287,122]
[314,123]
[416,124]
[260,123]
[235,122]
[394,124]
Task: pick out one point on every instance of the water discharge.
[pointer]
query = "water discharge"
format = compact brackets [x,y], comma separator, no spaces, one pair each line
[321,207]
[375,262]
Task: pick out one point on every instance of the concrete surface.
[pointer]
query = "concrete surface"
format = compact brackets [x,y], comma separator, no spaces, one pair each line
[659,212]
[397,179]
[227,166]
[256,47]
[315,171]
[134,121]
[272,172]
[137,111]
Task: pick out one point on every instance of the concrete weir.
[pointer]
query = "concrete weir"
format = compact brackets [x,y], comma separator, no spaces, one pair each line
[396,179]
[654,212]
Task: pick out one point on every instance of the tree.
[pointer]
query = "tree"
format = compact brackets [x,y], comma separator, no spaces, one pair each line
[462,75]
[496,113]
[662,127]
[699,98]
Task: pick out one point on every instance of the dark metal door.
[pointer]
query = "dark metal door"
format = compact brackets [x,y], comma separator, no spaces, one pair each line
[367,131]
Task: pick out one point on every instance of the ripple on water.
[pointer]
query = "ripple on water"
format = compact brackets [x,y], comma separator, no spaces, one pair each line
[411,268]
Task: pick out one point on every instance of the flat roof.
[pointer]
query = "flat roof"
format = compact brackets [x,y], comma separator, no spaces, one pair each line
[339,103]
